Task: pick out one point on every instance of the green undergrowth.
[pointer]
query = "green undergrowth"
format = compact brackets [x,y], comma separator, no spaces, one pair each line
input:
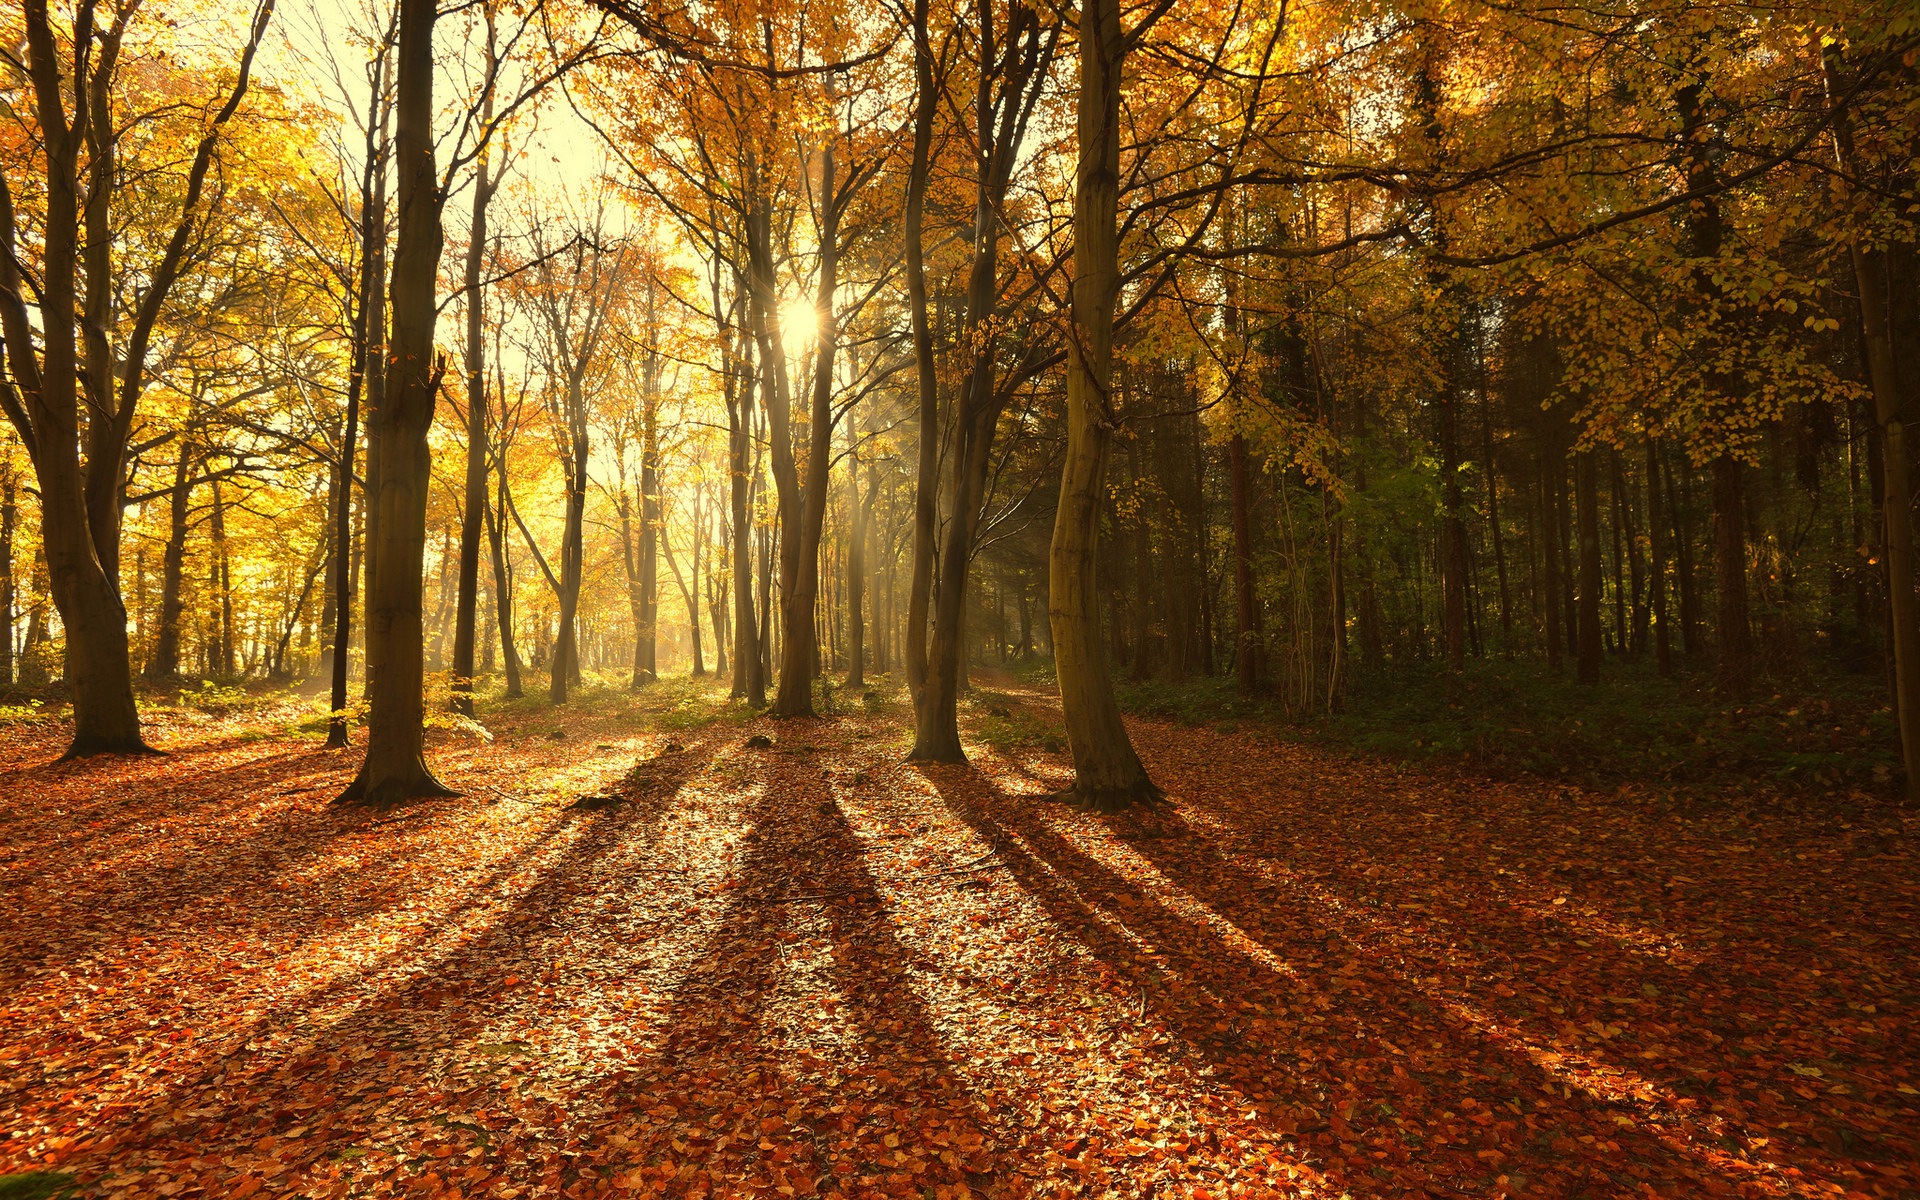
[1815,733]
[672,702]
[1002,722]
[38,1185]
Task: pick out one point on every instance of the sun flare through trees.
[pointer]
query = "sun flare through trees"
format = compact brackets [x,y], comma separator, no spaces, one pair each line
[959,597]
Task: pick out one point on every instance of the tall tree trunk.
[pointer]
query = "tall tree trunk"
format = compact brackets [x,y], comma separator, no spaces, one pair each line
[646,664]
[475,497]
[927,473]
[1550,561]
[1001,102]
[395,766]
[1896,508]
[165,663]
[566,645]
[1107,773]
[503,591]
[367,370]
[99,667]
[1657,565]
[9,517]
[749,681]
[1627,531]
[800,540]
[1246,604]
[1493,507]
[856,565]
[222,578]
[1588,642]
[1730,571]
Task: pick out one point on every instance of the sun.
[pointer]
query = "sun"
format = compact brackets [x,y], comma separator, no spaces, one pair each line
[799,323]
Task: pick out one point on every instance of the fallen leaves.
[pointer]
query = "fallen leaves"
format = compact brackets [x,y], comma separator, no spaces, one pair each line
[1312,976]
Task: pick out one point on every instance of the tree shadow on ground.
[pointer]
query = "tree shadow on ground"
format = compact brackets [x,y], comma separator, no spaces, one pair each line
[796,1052]
[319,1057]
[1627,977]
[1367,1076]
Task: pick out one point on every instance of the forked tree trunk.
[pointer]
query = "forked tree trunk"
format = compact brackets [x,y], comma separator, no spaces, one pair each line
[99,668]
[1108,774]
[396,766]
[1003,99]
[800,542]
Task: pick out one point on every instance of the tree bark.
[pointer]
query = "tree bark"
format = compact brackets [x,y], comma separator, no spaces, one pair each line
[1550,561]
[1730,571]
[806,497]
[1108,774]
[1896,508]
[475,499]
[749,681]
[856,565]
[395,766]
[9,517]
[367,370]
[1657,566]
[927,471]
[1588,643]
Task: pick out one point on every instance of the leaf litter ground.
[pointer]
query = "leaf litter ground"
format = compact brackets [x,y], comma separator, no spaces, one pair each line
[809,969]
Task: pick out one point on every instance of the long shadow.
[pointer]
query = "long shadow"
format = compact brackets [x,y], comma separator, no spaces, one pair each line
[1380,1089]
[222,850]
[797,1053]
[1675,1020]
[284,1070]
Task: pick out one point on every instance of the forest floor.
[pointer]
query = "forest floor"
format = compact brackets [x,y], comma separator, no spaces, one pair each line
[810,969]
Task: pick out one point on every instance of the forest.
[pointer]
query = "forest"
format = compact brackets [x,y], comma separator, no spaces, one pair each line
[959,598]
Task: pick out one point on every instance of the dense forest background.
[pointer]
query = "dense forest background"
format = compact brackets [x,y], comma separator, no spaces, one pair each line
[1463,355]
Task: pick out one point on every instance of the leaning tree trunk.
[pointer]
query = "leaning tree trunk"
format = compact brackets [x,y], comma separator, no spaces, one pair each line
[396,765]
[1108,774]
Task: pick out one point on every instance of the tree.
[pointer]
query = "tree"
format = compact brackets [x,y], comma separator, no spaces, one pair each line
[1107,773]
[81,501]
[395,767]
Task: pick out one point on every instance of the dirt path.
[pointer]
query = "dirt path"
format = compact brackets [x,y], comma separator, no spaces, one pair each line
[810,969]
